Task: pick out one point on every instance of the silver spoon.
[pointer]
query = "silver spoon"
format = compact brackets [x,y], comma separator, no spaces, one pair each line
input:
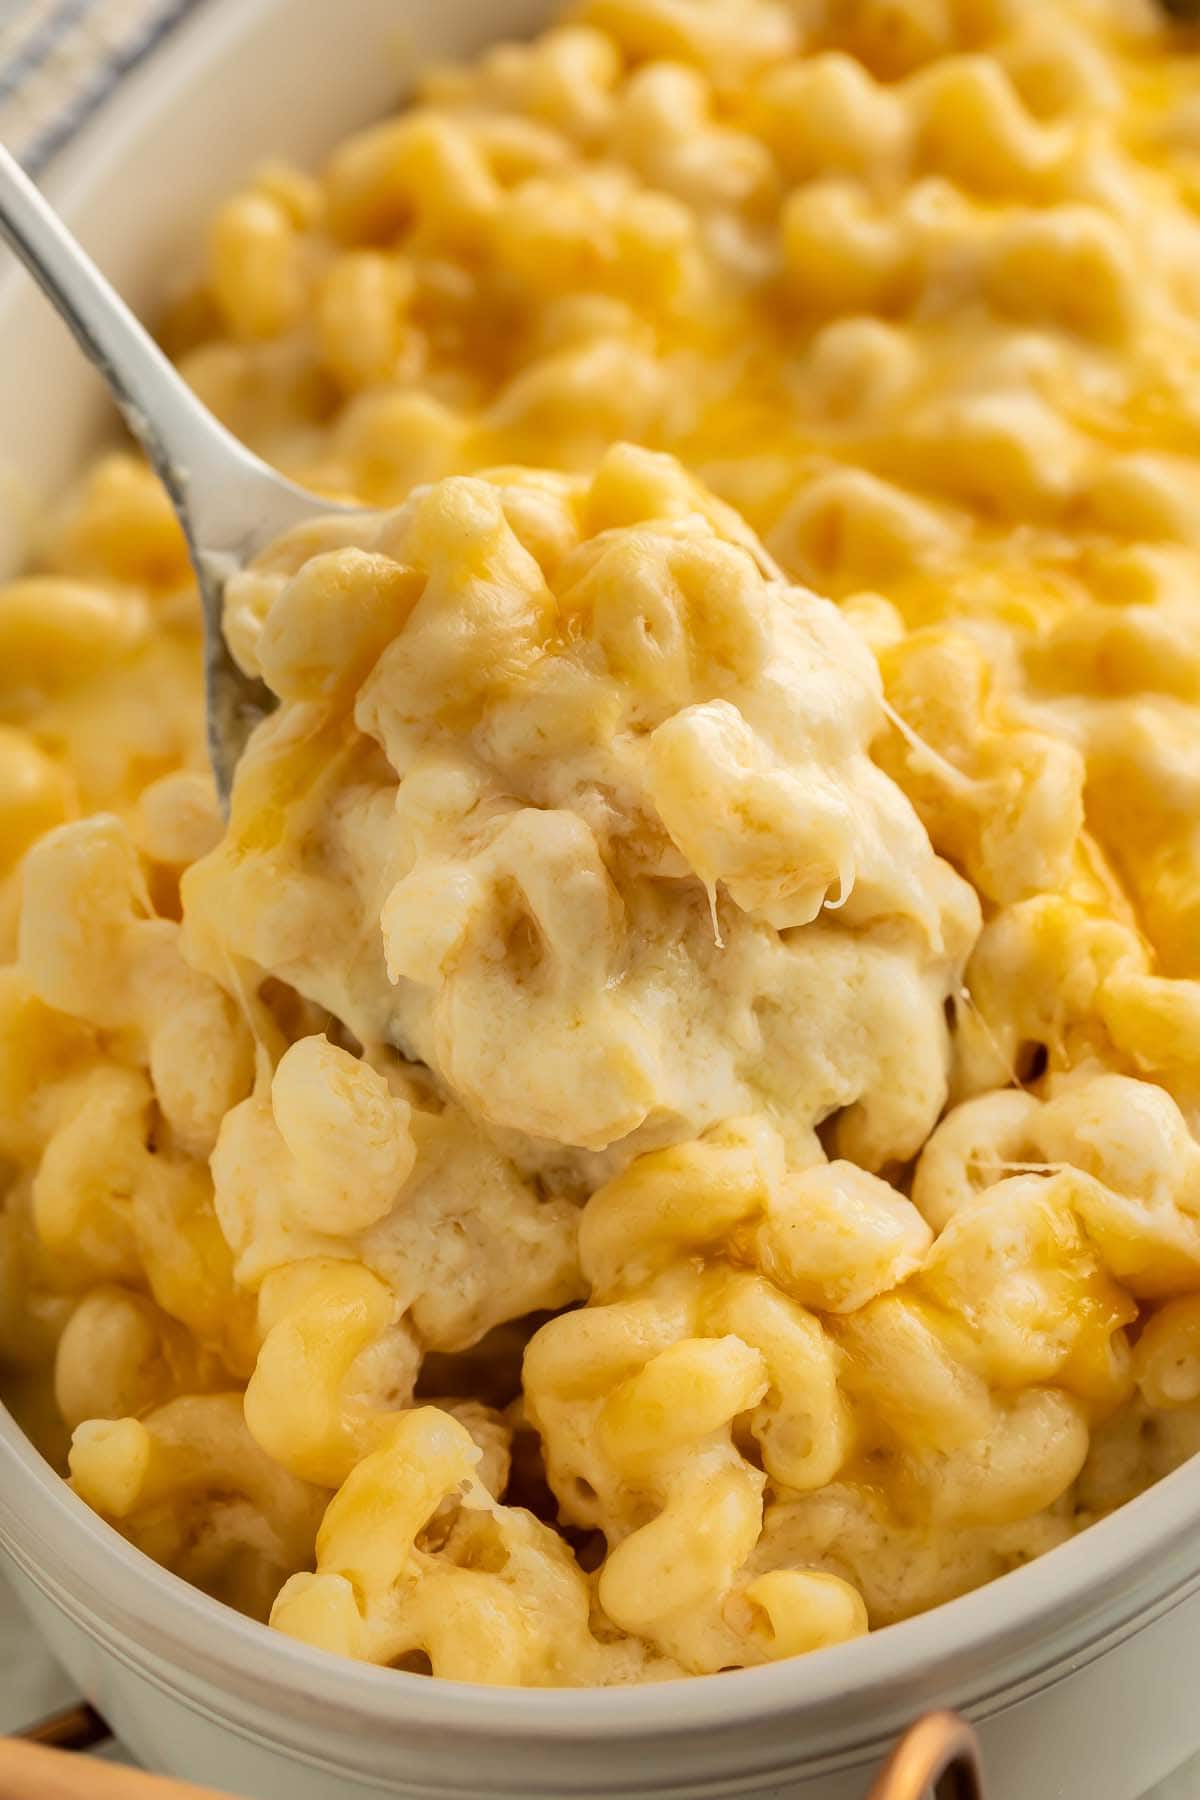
[229,502]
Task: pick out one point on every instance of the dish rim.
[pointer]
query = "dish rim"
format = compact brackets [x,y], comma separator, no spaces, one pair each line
[1067,1587]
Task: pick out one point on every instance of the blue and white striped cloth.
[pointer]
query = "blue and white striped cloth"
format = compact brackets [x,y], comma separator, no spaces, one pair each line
[60,59]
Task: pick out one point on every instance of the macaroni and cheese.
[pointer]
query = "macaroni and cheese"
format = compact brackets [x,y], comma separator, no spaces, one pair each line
[664,1130]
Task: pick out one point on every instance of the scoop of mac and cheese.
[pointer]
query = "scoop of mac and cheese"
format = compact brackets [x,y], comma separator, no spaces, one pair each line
[662,1133]
[567,800]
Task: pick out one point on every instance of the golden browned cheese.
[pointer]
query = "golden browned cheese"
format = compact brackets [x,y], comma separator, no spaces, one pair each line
[663,1132]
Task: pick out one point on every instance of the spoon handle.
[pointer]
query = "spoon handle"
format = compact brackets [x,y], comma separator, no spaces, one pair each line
[229,502]
[191,452]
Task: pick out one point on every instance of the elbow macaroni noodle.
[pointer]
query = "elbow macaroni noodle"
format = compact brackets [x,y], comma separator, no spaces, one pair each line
[664,1133]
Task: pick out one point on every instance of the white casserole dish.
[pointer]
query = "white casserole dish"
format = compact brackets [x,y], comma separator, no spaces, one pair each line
[1078,1670]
